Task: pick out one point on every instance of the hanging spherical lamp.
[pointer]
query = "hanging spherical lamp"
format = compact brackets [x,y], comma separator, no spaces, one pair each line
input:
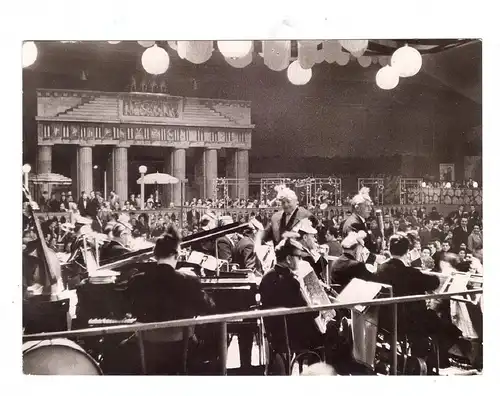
[387,78]
[365,61]
[234,49]
[354,46]
[342,58]
[297,75]
[155,60]
[407,61]
[30,53]
[242,62]
[146,44]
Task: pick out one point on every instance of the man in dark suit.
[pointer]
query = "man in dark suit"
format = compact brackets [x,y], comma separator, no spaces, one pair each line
[83,204]
[193,216]
[227,243]
[460,235]
[362,206]
[347,266]
[425,233]
[414,319]
[161,293]
[285,219]
[456,215]
[474,218]
[244,253]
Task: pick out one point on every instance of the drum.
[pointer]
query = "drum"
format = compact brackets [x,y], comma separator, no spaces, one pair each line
[57,357]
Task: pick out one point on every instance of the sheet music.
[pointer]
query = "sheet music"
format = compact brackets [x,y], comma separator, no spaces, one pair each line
[359,290]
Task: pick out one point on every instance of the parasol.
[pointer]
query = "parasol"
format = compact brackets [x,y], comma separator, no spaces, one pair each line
[158,178]
[49,178]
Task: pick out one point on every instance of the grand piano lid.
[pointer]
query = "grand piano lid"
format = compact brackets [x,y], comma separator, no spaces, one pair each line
[145,255]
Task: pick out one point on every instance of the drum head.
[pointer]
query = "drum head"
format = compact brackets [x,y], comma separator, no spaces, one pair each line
[57,357]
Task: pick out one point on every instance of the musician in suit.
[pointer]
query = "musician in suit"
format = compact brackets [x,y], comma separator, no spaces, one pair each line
[162,293]
[244,253]
[227,243]
[414,319]
[280,288]
[350,264]
[362,206]
[306,235]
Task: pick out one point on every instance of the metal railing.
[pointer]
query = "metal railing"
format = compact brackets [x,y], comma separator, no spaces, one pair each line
[224,319]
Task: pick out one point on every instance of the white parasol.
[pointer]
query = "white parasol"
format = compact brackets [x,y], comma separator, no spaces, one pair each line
[49,178]
[158,178]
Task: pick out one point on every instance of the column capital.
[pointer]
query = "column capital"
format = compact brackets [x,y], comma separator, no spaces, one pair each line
[86,145]
[212,147]
[123,145]
[49,144]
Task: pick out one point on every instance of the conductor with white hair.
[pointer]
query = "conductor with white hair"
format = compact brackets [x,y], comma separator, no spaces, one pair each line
[361,208]
[285,219]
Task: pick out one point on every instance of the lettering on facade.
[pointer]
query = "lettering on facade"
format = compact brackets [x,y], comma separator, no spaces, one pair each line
[139,107]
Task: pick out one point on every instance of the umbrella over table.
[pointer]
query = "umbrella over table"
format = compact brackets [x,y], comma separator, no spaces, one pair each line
[158,178]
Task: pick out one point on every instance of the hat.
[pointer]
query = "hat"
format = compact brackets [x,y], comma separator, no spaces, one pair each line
[323,206]
[353,238]
[82,220]
[306,227]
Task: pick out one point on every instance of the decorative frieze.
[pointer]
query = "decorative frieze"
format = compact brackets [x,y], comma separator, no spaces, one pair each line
[163,106]
[95,134]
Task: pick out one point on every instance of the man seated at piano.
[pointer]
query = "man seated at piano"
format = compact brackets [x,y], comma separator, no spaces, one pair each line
[162,293]
[121,240]
[280,287]
[226,244]
[244,251]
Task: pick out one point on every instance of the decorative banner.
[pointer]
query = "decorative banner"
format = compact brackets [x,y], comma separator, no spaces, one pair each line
[277,54]
[241,62]
[307,53]
[198,51]
[332,50]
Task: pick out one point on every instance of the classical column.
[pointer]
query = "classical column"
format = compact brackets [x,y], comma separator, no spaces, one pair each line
[44,159]
[167,189]
[242,173]
[179,171]
[121,172]
[210,172]
[44,164]
[84,170]
[199,171]
[231,171]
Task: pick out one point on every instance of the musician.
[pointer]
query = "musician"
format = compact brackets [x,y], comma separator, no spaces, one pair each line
[285,219]
[244,253]
[161,293]
[121,239]
[350,264]
[227,243]
[362,205]
[280,287]
[414,319]
[307,238]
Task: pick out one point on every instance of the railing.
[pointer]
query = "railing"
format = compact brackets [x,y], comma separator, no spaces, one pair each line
[224,319]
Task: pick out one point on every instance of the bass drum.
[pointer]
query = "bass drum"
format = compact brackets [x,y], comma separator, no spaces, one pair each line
[57,357]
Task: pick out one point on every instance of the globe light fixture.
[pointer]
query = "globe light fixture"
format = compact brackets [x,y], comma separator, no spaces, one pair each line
[387,78]
[297,75]
[424,184]
[354,46]
[30,53]
[26,168]
[475,184]
[234,49]
[155,60]
[143,169]
[146,44]
[365,61]
[407,61]
[342,58]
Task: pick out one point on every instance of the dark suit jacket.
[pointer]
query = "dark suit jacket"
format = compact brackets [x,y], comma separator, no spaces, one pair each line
[459,236]
[111,250]
[355,223]
[244,255]
[425,236]
[193,217]
[225,248]
[93,208]
[277,226]
[406,281]
[346,268]
[82,208]
[279,288]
